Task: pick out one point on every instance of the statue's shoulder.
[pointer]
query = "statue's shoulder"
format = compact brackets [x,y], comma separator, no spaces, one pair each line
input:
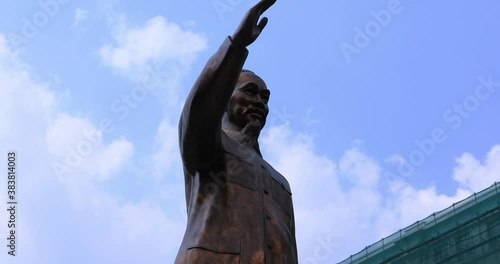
[277,176]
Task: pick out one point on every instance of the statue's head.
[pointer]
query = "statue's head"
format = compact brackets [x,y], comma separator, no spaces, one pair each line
[247,108]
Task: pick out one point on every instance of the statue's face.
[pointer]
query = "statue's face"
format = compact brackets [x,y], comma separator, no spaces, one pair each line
[248,103]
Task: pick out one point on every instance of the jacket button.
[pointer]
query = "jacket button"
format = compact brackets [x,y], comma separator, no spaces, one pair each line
[268,217]
[266,192]
[270,244]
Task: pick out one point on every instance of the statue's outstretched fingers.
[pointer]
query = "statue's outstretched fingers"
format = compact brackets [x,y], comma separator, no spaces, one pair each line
[262,24]
[263,5]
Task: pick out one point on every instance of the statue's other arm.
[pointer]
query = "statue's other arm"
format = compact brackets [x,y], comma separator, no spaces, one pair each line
[201,119]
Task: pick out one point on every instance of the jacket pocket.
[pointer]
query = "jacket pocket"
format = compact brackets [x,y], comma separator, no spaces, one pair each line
[240,171]
[200,255]
[282,197]
[218,236]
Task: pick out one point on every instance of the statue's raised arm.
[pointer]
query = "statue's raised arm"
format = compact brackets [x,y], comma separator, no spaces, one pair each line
[200,123]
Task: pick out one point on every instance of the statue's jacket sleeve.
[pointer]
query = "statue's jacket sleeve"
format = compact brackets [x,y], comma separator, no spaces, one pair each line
[239,208]
[200,123]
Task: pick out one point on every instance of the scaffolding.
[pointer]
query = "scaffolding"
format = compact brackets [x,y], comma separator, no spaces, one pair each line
[466,232]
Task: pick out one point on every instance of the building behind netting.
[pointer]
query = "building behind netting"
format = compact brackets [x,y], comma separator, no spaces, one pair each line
[466,232]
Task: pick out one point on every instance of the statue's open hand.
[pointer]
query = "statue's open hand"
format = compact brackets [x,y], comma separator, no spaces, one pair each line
[248,30]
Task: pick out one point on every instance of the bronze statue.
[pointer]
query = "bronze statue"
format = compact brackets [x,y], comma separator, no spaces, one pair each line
[239,208]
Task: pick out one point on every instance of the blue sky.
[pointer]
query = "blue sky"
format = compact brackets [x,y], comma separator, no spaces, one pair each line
[381,113]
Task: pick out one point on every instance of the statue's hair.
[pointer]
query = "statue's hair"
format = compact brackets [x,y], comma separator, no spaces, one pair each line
[249,71]
[246,71]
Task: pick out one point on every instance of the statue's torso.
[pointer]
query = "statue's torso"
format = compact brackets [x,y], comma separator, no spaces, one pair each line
[239,211]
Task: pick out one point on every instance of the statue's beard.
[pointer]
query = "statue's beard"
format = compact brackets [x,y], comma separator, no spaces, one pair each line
[248,135]
[253,129]
[248,127]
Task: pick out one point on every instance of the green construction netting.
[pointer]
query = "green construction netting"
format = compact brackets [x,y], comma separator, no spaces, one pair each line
[466,232]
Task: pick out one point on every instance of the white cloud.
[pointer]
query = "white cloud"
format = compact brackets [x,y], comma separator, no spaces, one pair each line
[113,157]
[347,200]
[476,175]
[165,159]
[308,119]
[76,144]
[16,83]
[64,131]
[156,42]
[359,169]
[168,50]
[409,204]
[159,46]
[82,216]
[24,104]
[80,15]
